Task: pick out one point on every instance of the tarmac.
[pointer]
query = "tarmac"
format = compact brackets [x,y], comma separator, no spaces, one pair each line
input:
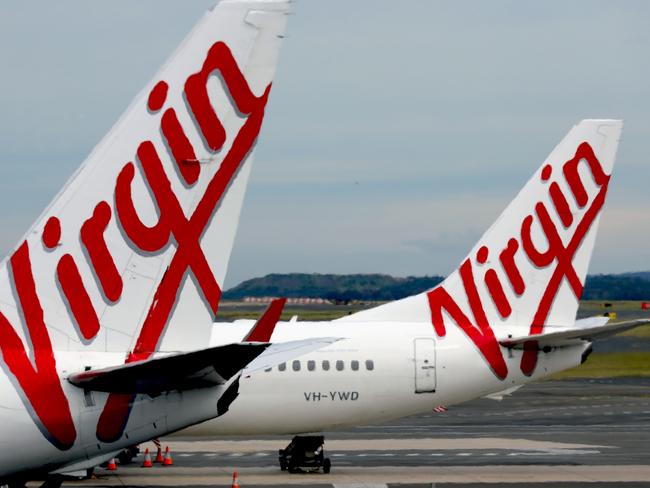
[571,433]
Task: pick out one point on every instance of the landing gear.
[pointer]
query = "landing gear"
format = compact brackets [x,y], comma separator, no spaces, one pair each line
[13,484]
[53,482]
[127,455]
[304,452]
[50,481]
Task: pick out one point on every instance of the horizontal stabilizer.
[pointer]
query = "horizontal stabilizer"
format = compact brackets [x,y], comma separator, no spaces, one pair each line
[587,330]
[183,371]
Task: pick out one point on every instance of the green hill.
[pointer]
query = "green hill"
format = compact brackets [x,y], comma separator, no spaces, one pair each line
[379,287]
[627,286]
[333,287]
[643,275]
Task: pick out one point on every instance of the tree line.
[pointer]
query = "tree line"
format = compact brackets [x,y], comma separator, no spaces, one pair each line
[380,287]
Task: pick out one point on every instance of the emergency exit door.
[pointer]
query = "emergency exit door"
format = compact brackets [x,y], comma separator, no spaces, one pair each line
[425,365]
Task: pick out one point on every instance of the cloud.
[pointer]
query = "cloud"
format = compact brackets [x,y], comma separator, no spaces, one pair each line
[384,119]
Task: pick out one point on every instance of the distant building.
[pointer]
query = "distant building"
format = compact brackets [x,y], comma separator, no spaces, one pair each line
[290,301]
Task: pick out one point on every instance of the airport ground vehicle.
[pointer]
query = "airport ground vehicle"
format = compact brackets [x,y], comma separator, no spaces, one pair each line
[304,452]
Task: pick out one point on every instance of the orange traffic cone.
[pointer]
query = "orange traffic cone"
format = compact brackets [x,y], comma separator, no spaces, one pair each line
[112,465]
[168,458]
[147,459]
[235,480]
[159,456]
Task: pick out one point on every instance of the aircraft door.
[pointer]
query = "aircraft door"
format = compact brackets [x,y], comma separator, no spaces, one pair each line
[425,365]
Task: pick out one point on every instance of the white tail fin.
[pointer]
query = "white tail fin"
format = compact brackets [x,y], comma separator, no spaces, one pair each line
[529,268]
[131,255]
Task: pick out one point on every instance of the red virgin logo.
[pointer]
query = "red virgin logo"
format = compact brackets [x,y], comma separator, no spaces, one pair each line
[39,383]
[557,255]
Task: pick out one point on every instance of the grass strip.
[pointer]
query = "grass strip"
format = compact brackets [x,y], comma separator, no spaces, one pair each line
[610,365]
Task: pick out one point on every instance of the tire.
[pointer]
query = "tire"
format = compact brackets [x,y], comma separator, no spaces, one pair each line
[125,457]
[17,484]
[327,466]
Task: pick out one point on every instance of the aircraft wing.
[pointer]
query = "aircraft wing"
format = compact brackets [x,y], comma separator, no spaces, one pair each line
[189,370]
[586,330]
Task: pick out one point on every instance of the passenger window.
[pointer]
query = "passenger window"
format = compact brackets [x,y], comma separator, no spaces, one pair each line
[311,365]
[339,365]
[295,365]
[370,365]
[354,365]
[326,365]
[282,367]
[268,370]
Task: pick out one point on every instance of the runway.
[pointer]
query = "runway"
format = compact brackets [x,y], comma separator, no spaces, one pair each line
[569,432]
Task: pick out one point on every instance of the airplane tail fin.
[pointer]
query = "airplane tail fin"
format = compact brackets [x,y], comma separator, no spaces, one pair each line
[529,268]
[131,255]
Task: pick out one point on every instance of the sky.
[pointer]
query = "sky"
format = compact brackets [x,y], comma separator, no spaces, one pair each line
[395,134]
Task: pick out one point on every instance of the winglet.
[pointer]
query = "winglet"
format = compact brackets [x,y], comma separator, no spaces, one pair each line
[264,327]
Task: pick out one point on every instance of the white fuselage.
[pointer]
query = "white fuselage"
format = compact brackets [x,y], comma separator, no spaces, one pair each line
[402,370]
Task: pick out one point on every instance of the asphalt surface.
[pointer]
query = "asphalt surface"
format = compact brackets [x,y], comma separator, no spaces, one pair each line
[572,433]
[623,344]
[620,343]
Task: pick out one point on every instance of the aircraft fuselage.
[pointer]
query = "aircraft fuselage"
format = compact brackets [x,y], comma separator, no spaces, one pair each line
[376,373]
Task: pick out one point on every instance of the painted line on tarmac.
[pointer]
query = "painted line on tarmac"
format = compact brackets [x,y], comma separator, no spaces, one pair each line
[211,476]
[397,444]
[376,454]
